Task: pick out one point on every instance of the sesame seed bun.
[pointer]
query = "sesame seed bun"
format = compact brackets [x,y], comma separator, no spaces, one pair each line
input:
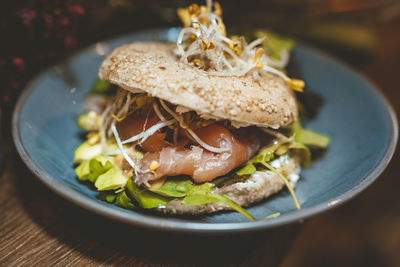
[153,68]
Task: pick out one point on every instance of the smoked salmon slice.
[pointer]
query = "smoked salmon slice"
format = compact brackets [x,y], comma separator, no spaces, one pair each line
[197,162]
[133,125]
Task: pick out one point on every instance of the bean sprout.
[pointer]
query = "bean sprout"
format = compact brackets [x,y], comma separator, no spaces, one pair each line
[203,44]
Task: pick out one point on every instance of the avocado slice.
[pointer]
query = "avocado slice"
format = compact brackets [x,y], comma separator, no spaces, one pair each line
[86,151]
[110,180]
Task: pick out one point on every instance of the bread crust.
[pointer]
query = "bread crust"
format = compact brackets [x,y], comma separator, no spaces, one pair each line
[152,68]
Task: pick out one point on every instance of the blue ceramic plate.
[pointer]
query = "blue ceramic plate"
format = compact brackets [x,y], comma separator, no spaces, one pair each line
[360,122]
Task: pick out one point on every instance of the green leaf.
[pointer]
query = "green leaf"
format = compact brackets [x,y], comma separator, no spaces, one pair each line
[311,138]
[101,87]
[274,44]
[100,171]
[308,137]
[202,198]
[122,200]
[204,187]
[282,149]
[266,154]
[119,199]
[180,186]
[83,169]
[201,195]
[144,197]
[107,196]
[249,168]
[262,157]
[175,187]
[97,168]
[199,198]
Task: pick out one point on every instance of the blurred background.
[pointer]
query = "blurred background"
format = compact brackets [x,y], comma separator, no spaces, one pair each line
[35,34]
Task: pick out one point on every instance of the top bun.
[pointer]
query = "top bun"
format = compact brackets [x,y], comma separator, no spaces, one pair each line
[152,68]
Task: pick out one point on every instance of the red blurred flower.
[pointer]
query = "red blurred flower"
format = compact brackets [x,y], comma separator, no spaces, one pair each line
[77,9]
[19,63]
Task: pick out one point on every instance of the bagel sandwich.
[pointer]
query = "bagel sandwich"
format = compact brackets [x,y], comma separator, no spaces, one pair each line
[202,125]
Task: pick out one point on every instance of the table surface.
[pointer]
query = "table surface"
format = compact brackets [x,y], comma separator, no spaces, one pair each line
[37,227]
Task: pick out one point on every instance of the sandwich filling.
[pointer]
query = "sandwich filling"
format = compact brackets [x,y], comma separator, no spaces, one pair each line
[176,143]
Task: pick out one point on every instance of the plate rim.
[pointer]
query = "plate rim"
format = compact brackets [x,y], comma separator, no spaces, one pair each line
[178,226]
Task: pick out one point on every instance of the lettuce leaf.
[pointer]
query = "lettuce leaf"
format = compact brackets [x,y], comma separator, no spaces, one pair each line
[308,137]
[107,196]
[201,195]
[83,170]
[101,87]
[181,188]
[266,154]
[119,199]
[175,187]
[100,171]
[249,168]
[122,200]
[97,168]
[145,198]
[300,140]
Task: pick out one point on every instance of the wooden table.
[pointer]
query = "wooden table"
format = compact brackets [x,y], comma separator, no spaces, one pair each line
[38,228]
